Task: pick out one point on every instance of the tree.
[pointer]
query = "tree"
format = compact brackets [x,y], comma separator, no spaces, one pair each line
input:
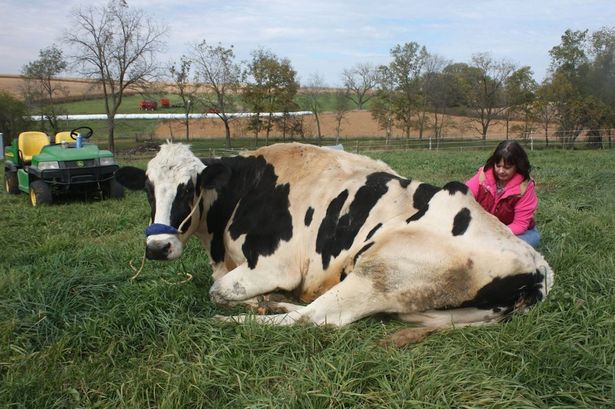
[221,76]
[312,100]
[180,75]
[270,86]
[485,94]
[581,84]
[405,69]
[570,57]
[519,90]
[383,107]
[40,77]
[442,93]
[14,117]
[115,45]
[436,94]
[342,106]
[543,108]
[360,81]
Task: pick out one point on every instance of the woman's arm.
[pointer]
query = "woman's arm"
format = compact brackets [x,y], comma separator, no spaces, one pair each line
[524,210]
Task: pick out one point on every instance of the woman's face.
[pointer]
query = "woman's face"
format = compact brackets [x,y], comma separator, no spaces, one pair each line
[504,171]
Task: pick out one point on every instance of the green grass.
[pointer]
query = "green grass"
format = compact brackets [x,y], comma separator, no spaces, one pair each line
[75,331]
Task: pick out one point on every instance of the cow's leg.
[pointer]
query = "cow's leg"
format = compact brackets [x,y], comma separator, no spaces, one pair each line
[346,302]
[243,284]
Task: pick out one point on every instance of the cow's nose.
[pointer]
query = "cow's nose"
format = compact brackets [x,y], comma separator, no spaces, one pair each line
[157,251]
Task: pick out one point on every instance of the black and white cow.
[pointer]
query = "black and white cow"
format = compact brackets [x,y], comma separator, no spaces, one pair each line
[340,232]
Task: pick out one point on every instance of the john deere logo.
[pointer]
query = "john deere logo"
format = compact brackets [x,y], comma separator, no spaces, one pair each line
[80,164]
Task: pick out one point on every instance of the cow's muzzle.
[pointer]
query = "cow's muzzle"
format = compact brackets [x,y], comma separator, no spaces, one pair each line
[163,247]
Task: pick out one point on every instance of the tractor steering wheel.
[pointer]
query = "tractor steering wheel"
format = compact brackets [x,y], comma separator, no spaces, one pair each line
[86,135]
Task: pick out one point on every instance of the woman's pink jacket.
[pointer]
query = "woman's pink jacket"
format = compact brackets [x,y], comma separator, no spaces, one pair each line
[515,207]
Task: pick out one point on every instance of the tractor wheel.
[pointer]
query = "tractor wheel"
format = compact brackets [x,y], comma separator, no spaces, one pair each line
[10,182]
[113,190]
[40,194]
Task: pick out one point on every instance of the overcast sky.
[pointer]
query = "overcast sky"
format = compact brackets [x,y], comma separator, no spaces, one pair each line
[326,37]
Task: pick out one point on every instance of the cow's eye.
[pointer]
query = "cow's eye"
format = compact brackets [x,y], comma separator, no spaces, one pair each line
[189,191]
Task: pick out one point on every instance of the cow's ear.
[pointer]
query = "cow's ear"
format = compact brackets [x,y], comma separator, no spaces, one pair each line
[215,175]
[131,177]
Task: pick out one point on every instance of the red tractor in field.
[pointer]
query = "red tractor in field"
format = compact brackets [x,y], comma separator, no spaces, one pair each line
[148,105]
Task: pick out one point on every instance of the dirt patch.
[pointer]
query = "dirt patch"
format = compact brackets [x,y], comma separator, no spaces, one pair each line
[356,124]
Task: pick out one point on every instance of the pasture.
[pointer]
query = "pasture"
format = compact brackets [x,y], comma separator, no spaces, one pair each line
[76,331]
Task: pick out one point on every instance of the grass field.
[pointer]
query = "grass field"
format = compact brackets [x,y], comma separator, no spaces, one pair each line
[75,331]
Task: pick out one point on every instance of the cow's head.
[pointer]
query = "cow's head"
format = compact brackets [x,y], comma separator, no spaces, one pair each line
[175,181]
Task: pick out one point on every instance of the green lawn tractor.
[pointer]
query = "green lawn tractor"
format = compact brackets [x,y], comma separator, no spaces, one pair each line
[70,164]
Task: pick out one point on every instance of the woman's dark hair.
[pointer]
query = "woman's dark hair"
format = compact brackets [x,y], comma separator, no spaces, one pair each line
[512,153]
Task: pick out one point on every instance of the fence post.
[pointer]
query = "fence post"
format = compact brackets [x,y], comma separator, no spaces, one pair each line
[531,142]
[430,143]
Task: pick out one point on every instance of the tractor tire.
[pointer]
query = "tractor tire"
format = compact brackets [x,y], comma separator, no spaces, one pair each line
[40,194]
[10,182]
[113,190]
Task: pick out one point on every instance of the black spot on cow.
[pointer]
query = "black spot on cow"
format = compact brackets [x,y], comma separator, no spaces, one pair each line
[454,187]
[505,293]
[151,198]
[182,204]
[416,216]
[461,222]
[363,250]
[373,231]
[423,194]
[337,233]
[420,200]
[308,216]
[262,209]
[404,182]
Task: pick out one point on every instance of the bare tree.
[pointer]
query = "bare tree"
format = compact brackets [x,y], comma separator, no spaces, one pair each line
[115,45]
[360,81]
[221,76]
[41,88]
[187,90]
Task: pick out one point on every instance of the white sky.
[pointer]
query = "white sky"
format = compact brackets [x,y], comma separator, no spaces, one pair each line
[328,36]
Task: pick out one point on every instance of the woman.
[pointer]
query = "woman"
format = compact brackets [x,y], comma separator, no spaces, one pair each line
[504,188]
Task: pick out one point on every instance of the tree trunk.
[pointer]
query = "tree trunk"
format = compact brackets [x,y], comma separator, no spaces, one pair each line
[227,131]
[187,128]
[318,125]
[111,138]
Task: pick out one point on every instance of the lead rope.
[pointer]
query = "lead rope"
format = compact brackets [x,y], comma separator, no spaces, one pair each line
[187,275]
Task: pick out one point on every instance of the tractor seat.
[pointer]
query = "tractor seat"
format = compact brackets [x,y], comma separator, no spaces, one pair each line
[64,137]
[30,144]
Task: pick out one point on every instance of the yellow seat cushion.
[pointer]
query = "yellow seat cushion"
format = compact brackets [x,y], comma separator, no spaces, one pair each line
[64,136]
[30,144]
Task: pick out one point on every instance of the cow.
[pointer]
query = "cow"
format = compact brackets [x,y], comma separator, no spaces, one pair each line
[343,235]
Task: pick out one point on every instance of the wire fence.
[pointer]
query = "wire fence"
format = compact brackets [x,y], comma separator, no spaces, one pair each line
[366,145]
